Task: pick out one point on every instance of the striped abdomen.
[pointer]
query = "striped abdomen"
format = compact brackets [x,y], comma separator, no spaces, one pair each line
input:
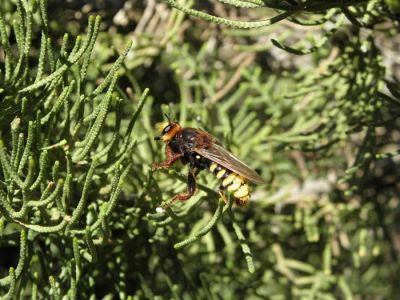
[232,182]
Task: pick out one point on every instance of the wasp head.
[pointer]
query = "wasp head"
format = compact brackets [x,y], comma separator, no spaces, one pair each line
[168,130]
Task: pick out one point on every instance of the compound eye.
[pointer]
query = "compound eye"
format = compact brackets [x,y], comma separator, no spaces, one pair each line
[166,129]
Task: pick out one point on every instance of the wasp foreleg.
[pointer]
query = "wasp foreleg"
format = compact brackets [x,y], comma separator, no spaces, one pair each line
[170,158]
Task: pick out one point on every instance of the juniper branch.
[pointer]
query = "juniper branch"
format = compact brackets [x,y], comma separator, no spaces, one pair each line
[228,22]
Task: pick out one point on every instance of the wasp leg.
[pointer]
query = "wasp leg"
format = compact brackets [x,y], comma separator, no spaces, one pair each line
[170,158]
[191,182]
[222,194]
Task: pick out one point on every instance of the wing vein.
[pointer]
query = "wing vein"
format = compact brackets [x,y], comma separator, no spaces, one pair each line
[221,156]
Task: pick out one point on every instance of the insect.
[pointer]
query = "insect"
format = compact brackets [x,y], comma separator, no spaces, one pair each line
[200,150]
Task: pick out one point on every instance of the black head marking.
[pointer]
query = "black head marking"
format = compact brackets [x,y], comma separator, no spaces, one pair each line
[166,129]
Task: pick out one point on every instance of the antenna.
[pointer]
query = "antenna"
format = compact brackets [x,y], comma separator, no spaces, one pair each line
[169,120]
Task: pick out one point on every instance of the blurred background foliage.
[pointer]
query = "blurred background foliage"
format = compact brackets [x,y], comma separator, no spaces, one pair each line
[312,102]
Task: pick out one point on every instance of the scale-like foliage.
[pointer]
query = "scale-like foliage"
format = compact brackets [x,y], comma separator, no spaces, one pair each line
[56,152]
[305,92]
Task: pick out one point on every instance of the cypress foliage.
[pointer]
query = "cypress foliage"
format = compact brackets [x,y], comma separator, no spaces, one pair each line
[306,92]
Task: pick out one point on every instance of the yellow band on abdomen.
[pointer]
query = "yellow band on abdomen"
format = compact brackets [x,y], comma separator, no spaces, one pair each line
[235,185]
[228,180]
[241,192]
[221,173]
[233,182]
[213,166]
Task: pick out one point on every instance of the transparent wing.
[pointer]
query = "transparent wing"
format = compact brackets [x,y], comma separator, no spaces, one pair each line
[220,155]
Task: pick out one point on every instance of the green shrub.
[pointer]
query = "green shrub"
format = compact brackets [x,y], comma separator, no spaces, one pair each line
[316,114]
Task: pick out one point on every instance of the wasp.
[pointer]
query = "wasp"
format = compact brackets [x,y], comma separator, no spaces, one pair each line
[201,151]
